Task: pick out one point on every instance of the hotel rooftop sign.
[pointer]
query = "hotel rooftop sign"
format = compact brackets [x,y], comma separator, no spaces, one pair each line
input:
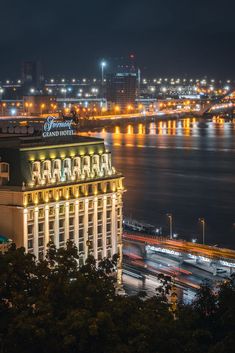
[54,127]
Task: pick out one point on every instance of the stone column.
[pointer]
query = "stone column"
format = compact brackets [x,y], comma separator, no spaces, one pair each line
[114,225]
[95,224]
[56,226]
[76,220]
[104,221]
[66,222]
[35,233]
[46,228]
[25,228]
[86,229]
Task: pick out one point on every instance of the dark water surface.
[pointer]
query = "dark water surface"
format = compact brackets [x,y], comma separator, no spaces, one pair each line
[186,168]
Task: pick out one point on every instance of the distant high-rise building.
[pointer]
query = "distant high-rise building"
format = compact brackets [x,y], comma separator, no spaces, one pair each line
[122,84]
[32,75]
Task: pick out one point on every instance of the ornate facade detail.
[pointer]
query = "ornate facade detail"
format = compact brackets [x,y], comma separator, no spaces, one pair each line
[76,168]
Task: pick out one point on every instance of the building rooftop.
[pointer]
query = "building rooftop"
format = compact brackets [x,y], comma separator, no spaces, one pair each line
[32,142]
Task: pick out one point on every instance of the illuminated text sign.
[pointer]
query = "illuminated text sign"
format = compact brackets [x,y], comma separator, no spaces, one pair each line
[55,128]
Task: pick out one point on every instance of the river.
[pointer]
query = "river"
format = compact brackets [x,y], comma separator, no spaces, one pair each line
[183,167]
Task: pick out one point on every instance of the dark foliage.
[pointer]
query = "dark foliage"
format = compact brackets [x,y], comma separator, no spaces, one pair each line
[53,306]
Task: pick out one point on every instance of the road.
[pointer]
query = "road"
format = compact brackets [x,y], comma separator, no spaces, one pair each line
[184,246]
[141,273]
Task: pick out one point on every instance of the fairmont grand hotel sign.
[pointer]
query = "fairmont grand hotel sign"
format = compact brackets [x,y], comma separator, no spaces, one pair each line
[54,127]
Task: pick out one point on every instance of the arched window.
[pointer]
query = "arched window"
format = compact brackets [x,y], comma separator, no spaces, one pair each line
[36,172]
[46,171]
[76,170]
[56,173]
[67,168]
[96,165]
[86,166]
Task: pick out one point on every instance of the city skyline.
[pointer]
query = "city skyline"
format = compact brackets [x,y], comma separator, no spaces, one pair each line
[167,39]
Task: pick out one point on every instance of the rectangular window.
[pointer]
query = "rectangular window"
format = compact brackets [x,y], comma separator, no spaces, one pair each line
[100,216]
[51,225]
[61,237]
[90,231]
[71,208]
[90,217]
[100,229]
[81,233]
[71,235]
[40,198]
[41,213]
[61,209]
[81,219]
[108,214]
[108,228]
[81,191]
[40,227]
[99,243]
[40,241]
[30,244]
[81,247]
[90,205]
[31,214]
[71,192]
[71,221]
[51,211]
[30,229]
[81,206]
[61,223]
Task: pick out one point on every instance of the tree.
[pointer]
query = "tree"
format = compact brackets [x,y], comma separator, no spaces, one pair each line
[54,306]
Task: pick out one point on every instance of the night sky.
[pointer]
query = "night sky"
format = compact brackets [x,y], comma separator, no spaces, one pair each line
[169,37]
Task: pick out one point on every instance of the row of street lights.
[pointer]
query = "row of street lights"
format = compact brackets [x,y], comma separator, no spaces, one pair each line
[201,220]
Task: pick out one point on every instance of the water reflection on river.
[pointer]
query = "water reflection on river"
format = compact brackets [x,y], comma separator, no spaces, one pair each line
[184,167]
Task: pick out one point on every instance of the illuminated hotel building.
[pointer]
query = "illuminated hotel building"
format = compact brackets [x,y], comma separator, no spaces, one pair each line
[59,189]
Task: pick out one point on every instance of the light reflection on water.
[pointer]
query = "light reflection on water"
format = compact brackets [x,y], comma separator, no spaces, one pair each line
[186,167]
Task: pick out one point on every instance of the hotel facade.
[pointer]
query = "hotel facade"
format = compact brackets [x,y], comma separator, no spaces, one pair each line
[59,189]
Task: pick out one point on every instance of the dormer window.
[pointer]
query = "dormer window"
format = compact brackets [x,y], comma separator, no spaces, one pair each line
[36,167]
[36,171]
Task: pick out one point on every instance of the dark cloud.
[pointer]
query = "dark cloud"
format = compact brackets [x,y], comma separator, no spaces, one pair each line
[70,36]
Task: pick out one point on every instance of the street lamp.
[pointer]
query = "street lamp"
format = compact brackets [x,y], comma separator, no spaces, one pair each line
[103,64]
[202,221]
[169,215]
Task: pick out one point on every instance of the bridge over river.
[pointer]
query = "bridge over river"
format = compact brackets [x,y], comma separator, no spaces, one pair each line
[197,254]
